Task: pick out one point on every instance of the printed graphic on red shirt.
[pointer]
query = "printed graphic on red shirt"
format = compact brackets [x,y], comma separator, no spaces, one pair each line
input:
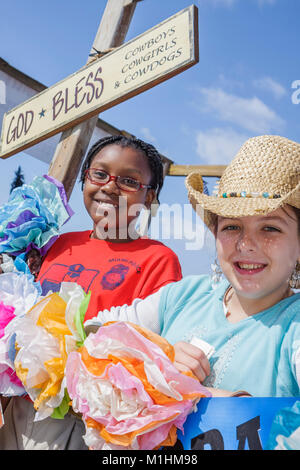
[114,277]
[57,273]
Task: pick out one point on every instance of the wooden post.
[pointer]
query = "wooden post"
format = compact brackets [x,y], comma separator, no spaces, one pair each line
[71,149]
[205,170]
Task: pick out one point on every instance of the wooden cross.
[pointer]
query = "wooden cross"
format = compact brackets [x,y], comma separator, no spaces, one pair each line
[72,105]
[73,144]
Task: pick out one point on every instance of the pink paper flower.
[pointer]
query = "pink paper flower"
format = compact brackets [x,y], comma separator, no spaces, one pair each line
[6,315]
[128,390]
[18,293]
[9,382]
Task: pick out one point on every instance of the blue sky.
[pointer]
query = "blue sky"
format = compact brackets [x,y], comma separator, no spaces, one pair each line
[241,87]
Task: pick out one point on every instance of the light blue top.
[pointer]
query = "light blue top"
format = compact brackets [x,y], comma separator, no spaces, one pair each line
[256,354]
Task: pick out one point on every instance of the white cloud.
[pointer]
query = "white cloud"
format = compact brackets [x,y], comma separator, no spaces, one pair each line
[146,133]
[270,85]
[251,114]
[218,146]
[229,83]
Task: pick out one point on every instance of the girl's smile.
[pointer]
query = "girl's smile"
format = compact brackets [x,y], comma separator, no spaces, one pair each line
[248,267]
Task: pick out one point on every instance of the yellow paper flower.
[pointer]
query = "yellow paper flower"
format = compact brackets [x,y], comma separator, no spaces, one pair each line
[44,338]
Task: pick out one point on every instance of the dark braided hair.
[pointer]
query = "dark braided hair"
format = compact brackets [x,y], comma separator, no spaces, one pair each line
[153,157]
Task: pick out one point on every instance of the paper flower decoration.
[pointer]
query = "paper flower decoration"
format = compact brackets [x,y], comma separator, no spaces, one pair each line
[44,337]
[33,216]
[9,382]
[128,390]
[18,293]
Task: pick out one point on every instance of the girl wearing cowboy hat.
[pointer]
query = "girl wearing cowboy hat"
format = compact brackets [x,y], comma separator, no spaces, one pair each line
[247,329]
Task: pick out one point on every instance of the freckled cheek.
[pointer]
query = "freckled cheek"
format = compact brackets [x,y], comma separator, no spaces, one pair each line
[270,245]
[281,254]
[273,247]
[225,245]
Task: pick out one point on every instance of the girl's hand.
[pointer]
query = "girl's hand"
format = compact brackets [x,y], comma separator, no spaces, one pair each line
[190,358]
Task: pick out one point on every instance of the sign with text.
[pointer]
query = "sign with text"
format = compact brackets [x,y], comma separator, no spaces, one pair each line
[239,423]
[151,58]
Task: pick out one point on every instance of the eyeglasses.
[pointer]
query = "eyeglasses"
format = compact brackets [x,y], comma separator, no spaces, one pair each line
[101,177]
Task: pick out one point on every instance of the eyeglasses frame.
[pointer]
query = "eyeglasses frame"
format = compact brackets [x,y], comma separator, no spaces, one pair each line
[115,179]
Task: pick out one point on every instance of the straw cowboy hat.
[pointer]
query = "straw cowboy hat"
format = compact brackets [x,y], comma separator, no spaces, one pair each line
[263,176]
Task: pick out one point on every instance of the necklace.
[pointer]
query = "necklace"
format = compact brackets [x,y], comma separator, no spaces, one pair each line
[287,293]
[225,308]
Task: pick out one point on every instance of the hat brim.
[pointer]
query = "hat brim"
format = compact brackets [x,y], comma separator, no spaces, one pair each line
[208,207]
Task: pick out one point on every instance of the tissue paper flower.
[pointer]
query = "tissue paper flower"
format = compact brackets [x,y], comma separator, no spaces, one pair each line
[33,216]
[6,315]
[128,390]
[9,382]
[44,337]
[18,293]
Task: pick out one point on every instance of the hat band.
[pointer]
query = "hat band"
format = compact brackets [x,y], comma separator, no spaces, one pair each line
[244,194]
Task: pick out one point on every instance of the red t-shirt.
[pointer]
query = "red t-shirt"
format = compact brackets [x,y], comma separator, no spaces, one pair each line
[115,273]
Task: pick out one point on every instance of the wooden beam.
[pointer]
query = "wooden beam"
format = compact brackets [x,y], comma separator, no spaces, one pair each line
[21,77]
[73,144]
[205,170]
[114,25]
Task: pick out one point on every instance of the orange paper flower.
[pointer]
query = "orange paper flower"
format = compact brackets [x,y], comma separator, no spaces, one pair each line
[128,390]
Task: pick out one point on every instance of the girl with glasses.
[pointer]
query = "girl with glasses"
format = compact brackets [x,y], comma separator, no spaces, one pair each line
[120,176]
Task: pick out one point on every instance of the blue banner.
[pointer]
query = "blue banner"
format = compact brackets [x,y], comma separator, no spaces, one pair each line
[238,423]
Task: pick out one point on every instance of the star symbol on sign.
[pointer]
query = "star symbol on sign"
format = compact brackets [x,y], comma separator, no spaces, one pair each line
[117,84]
[42,113]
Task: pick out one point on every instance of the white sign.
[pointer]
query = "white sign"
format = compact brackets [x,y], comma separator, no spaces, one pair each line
[153,57]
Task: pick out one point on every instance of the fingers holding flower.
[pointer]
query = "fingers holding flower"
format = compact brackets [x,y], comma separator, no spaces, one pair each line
[191,358]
